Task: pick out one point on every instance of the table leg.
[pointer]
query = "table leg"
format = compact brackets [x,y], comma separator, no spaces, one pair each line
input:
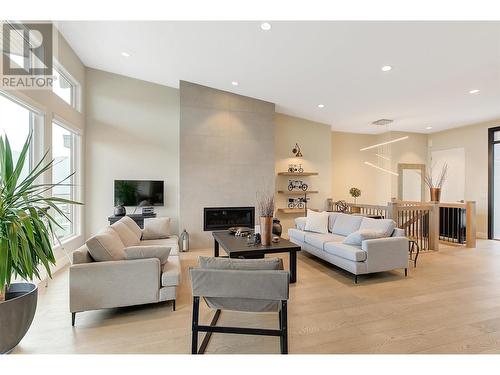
[293,267]
[216,248]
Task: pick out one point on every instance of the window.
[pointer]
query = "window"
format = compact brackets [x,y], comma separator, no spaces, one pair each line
[65,86]
[16,121]
[64,152]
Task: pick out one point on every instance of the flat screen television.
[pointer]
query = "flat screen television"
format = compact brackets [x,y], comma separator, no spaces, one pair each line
[139,193]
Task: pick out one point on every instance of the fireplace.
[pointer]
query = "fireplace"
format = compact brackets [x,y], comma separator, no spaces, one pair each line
[219,218]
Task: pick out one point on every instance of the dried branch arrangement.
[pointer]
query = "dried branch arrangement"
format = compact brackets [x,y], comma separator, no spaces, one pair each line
[265,204]
[429,181]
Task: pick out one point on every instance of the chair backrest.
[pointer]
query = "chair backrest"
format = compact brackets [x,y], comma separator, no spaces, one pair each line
[241,285]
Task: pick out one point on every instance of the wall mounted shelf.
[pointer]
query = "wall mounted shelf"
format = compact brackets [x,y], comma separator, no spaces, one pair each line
[297,192]
[297,174]
[294,210]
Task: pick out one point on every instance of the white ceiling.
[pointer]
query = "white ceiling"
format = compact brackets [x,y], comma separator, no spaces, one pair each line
[298,65]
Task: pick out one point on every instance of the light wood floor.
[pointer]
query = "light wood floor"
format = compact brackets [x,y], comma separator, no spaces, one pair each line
[450,303]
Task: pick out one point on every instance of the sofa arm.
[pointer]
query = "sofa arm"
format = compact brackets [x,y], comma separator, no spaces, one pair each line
[300,223]
[100,285]
[384,254]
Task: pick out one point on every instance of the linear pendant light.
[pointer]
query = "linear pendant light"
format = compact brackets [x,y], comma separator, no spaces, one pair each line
[380,168]
[384,143]
[383,157]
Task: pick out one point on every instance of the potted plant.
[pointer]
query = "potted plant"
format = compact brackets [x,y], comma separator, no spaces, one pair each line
[355,193]
[265,203]
[26,233]
[436,185]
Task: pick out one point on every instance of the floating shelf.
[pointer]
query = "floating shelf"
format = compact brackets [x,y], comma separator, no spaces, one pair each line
[297,192]
[294,210]
[297,174]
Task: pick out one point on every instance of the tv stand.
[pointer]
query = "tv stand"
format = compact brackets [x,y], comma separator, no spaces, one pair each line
[138,218]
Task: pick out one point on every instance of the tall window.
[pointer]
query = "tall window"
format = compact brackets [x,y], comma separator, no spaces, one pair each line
[65,86]
[64,152]
[16,121]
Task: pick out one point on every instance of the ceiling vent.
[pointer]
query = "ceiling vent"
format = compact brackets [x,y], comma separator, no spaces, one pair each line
[382,122]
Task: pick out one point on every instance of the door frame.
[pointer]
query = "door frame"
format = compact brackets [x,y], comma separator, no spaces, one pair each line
[491,182]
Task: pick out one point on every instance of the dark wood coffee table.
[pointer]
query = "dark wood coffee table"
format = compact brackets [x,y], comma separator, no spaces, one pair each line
[236,247]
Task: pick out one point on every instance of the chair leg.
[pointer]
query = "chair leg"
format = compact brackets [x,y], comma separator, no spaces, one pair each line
[284,328]
[173,306]
[355,279]
[406,272]
[73,317]
[196,310]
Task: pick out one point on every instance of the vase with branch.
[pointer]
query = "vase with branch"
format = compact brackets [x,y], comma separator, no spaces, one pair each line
[355,193]
[435,185]
[265,206]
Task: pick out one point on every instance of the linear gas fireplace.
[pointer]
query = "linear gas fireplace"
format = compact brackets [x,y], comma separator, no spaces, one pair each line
[219,218]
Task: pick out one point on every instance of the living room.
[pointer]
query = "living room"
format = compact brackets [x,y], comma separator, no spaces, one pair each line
[257,186]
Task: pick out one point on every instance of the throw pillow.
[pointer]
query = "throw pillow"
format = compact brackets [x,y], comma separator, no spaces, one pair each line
[145,252]
[156,228]
[106,245]
[317,221]
[356,238]
[125,233]
[300,223]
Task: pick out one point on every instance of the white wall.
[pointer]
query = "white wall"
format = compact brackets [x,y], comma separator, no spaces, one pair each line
[314,141]
[474,140]
[132,133]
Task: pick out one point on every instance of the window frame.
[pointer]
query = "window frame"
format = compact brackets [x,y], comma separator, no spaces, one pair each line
[75,101]
[75,165]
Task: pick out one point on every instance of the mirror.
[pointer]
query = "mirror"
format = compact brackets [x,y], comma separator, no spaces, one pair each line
[411,185]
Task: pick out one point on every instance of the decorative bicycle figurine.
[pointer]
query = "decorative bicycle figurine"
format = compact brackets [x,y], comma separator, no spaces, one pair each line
[297,185]
[296,203]
[293,168]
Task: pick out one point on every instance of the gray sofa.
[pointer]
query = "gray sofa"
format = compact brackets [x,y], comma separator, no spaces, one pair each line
[373,255]
[124,271]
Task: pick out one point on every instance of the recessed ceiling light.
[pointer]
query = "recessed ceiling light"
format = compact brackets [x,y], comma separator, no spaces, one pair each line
[321,106]
[428,128]
[234,83]
[475,91]
[266,26]
[125,54]
[386,68]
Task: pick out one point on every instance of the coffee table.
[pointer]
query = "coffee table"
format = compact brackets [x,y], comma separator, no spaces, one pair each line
[236,247]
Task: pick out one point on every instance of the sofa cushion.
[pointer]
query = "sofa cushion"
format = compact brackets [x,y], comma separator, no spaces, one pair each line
[300,223]
[128,237]
[318,240]
[296,234]
[348,252]
[156,228]
[356,238]
[332,216]
[106,245]
[171,272]
[385,225]
[216,263]
[316,221]
[145,252]
[132,226]
[172,242]
[345,224]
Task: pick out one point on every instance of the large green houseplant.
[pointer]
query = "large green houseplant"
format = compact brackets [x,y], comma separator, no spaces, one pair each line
[26,231]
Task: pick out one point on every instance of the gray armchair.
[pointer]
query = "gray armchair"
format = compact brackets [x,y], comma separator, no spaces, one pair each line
[250,285]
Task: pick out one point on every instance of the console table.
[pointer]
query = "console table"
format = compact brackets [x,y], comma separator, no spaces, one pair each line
[138,218]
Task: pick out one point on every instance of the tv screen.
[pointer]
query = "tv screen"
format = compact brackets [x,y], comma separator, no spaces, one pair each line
[138,193]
